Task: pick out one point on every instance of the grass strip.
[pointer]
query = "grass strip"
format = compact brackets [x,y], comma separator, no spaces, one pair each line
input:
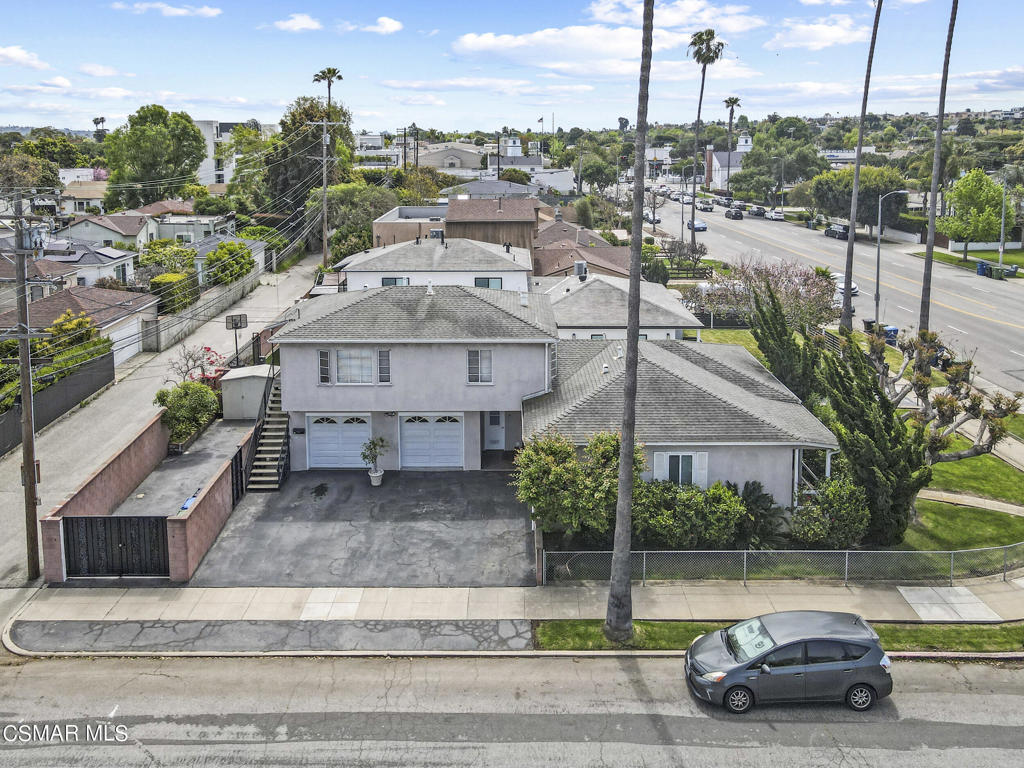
[587,635]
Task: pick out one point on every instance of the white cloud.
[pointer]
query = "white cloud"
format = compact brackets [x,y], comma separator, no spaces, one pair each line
[346,26]
[831,2]
[57,82]
[368,113]
[164,9]
[97,70]
[486,85]
[593,42]
[429,33]
[298,22]
[837,29]
[15,55]
[384,26]
[687,14]
[420,100]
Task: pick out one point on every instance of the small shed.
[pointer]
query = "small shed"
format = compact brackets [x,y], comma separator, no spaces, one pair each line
[242,391]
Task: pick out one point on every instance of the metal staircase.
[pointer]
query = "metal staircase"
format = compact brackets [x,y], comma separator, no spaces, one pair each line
[271,460]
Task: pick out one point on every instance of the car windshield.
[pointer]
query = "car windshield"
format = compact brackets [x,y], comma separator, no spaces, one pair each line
[748,639]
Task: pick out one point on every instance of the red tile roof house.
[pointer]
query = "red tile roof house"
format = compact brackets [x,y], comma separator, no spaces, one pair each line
[117,314]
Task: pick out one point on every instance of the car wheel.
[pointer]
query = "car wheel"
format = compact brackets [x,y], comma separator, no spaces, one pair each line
[860,697]
[738,700]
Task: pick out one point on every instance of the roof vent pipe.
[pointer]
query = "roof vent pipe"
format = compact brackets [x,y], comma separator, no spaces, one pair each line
[618,352]
[604,368]
[430,287]
[524,299]
[366,287]
[417,239]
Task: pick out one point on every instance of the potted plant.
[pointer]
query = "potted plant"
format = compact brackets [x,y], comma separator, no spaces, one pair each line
[372,449]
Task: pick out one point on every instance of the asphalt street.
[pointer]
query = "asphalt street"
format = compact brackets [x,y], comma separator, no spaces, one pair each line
[976,316]
[484,712]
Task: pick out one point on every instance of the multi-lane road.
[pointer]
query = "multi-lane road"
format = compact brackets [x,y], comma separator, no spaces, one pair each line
[484,712]
[979,317]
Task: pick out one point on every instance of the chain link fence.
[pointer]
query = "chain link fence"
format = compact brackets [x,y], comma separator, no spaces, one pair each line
[832,565]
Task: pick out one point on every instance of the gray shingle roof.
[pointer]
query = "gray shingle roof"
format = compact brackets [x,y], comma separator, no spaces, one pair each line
[553,232]
[412,313]
[455,254]
[601,301]
[686,393]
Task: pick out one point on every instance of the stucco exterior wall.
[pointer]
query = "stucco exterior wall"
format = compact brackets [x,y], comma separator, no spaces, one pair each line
[425,378]
[771,465]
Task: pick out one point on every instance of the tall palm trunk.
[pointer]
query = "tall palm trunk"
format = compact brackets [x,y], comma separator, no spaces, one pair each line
[926,280]
[728,156]
[696,152]
[846,318]
[618,625]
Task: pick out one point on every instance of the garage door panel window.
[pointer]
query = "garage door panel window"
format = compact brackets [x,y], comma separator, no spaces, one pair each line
[480,371]
[355,366]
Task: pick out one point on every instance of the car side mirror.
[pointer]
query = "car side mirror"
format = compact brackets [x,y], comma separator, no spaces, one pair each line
[765,669]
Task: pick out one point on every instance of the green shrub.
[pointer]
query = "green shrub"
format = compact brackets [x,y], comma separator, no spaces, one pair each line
[761,523]
[230,261]
[669,516]
[190,406]
[836,519]
[175,290]
[910,222]
[275,240]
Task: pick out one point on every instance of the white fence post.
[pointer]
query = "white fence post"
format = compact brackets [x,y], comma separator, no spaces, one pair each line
[951,554]
[643,574]
[744,567]
[846,570]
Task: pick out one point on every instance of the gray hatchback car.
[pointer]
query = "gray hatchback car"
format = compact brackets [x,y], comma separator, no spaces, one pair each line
[788,657]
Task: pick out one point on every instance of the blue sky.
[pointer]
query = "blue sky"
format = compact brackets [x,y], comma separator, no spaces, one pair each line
[465,65]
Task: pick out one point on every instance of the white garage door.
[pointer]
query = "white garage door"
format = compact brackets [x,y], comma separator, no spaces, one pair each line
[125,339]
[432,440]
[335,441]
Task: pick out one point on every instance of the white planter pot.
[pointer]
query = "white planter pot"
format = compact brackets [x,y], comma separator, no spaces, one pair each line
[376,477]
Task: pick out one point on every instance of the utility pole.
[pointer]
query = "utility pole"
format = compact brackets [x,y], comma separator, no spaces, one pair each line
[325,143]
[1002,227]
[24,335]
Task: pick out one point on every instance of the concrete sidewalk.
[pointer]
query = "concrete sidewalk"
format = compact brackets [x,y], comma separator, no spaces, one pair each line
[966,500]
[306,620]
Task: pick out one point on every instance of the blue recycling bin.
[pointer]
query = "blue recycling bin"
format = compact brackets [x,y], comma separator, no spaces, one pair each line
[982,265]
[892,333]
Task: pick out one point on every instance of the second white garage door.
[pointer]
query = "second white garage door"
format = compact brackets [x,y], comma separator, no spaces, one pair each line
[432,440]
[336,440]
[125,339]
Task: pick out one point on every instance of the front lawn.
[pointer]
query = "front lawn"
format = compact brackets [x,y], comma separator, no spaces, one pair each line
[741,336]
[1010,257]
[942,527]
[587,635]
[992,257]
[1015,425]
[985,475]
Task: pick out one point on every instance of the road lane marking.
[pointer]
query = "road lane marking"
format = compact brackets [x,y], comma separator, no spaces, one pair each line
[900,306]
[816,258]
[958,330]
[1015,352]
[980,289]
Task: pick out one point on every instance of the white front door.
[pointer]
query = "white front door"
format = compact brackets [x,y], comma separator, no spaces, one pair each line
[431,440]
[494,431]
[334,441]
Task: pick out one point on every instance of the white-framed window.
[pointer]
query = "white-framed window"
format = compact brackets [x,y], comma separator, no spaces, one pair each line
[643,337]
[487,282]
[385,281]
[682,467]
[383,366]
[355,366]
[183,237]
[121,272]
[480,366]
[324,364]
[597,337]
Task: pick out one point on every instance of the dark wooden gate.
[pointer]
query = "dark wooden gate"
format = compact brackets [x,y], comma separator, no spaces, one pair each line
[116,546]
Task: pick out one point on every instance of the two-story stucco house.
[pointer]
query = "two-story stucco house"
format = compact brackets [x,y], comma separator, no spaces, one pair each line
[132,228]
[440,372]
[439,261]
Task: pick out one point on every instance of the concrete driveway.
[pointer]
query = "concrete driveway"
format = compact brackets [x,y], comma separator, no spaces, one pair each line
[419,529]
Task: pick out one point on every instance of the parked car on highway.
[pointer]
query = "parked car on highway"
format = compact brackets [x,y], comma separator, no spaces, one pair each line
[734,213]
[838,231]
[687,200]
[787,657]
[739,205]
[775,215]
[757,210]
[697,225]
[651,218]
[840,280]
[705,205]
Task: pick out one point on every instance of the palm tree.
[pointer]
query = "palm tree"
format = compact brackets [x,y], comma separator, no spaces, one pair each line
[618,625]
[731,102]
[846,318]
[926,280]
[705,50]
[326,75]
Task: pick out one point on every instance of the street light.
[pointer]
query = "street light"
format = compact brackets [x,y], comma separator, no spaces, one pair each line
[878,248]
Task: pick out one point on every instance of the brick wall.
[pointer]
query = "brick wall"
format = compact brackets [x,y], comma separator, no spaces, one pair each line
[104,490]
[190,535]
